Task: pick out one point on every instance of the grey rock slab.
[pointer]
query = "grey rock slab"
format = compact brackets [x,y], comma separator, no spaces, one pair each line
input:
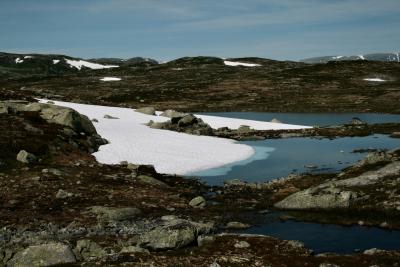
[43,255]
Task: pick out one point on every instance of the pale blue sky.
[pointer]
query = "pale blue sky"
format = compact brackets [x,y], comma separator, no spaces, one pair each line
[168,29]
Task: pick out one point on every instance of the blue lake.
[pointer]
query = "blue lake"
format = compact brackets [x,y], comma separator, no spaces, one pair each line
[311,119]
[279,157]
[276,158]
[328,237]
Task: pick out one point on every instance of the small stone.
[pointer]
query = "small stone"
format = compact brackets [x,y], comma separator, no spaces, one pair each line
[170,113]
[95,120]
[274,120]
[328,265]
[373,251]
[234,182]
[147,110]
[384,225]
[61,194]
[151,181]
[89,250]
[205,239]
[215,264]
[110,117]
[133,249]
[26,157]
[198,202]
[296,243]
[242,244]
[169,218]
[237,225]
[111,214]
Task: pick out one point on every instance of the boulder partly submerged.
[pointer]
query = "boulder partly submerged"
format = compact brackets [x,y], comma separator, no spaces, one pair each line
[53,114]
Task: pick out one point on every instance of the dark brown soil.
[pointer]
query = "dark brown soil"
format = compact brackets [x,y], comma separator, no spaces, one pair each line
[206,84]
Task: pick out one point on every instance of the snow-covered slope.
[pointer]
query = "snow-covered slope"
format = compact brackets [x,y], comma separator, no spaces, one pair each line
[110,79]
[374,80]
[170,152]
[82,63]
[218,122]
[236,63]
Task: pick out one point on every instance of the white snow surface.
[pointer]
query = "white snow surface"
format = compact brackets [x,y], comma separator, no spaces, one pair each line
[236,63]
[28,57]
[374,80]
[18,60]
[110,79]
[82,63]
[56,61]
[218,122]
[170,152]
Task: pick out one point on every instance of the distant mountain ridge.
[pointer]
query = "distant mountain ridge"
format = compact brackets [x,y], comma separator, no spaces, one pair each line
[386,57]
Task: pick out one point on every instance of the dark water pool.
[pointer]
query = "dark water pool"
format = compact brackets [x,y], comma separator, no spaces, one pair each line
[280,157]
[311,119]
[329,237]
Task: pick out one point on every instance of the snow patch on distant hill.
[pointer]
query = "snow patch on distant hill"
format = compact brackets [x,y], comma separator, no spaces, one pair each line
[56,61]
[110,79]
[236,63]
[374,80]
[82,63]
[18,60]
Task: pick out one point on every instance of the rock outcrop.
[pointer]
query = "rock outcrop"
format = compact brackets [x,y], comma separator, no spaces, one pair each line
[188,123]
[52,114]
[43,255]
[173,235]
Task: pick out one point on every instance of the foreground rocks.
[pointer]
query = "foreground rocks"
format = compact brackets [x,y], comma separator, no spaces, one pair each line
[43,255]
[66,208]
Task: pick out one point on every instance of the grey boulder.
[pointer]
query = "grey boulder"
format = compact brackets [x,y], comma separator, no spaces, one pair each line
[26,157]
[147,110]
[43,255]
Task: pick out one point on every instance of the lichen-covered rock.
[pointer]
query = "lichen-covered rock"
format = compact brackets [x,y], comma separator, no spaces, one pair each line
[53,114]
[198,202]
[63,116]
[112,214]
[43,255]
[147,110]
[187,120]
[89,250]
[318,198]
[26,157]
[170,113]
[151,181]
[173,235]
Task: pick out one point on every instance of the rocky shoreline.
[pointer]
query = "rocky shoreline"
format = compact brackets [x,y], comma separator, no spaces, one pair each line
[61,207]
[190,124]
